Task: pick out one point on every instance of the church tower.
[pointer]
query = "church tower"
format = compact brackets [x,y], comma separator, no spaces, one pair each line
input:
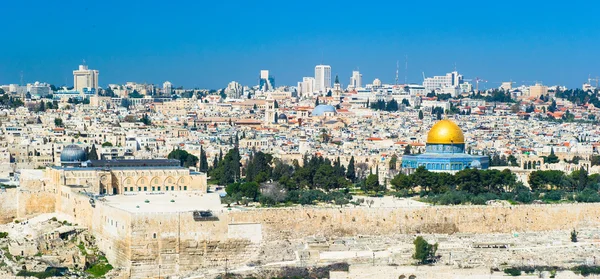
[269,110]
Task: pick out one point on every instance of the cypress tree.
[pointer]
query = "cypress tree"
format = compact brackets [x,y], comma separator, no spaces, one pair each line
[93,155]
[351,172]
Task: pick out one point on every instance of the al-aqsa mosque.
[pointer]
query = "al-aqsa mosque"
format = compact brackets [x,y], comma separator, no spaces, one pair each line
[445,151]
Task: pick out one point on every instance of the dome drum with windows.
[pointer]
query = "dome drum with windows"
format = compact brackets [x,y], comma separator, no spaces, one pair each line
[444,152]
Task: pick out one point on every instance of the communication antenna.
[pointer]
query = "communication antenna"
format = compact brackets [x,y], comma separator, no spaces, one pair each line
[21,78]
[405,68]
[397,72]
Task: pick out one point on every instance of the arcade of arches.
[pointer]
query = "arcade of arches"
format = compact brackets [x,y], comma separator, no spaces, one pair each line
[113,182]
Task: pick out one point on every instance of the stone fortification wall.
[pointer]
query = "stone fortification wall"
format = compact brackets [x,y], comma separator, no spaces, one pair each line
[32,203]
[297,223]
[8,205]
[179,244]
[110,226]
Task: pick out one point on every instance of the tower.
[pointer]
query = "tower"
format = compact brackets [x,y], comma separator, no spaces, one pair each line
[85,78]
[269,110]
[322,78]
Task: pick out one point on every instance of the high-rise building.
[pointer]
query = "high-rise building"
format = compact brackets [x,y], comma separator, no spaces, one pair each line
[306,86]
[267,82]
[167,88]
[355,80]
[85,78]
[322,78]
[234,90]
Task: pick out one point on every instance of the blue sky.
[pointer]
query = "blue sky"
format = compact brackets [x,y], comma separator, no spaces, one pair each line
[207,44]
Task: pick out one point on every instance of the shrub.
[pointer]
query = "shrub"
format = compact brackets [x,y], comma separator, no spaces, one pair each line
[3,234]
[424,252]
[554,195]
[512,271]
[588,195]
[586,270]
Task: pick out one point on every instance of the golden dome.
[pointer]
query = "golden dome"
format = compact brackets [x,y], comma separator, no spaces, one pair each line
[445,132]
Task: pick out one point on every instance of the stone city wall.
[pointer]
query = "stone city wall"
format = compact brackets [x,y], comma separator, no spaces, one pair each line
[110,226]
[8,205]
[179,244]
[294,223]
[33,203]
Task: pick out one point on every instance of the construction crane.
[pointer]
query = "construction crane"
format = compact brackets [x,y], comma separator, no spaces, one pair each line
[477,81]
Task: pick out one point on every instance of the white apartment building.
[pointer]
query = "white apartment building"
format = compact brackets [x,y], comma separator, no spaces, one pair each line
[322,78]
[167,88]
[355,80]
[306,86]
[450,80]
[234,90]
[41,89]
[85,78]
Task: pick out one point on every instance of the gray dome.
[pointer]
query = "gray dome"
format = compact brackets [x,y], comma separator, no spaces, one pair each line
[320,110]
[282,117]
[72,153]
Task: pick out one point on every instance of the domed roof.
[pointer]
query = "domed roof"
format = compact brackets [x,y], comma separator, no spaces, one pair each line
[320,110]
[72,153]
[282,117]
[445,132]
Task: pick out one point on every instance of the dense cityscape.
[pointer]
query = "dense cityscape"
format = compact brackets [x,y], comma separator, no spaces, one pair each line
[78,162]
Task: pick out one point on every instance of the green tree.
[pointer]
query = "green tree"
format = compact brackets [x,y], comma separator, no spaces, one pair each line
[203,160]
[420,115]
[393,162]
[259,167]
[146,120]
[107,144]
[93,154]
[135,94]
[552,158]
[228,169]
[250,190]
[407,149]
[372,183]
[42,107]
[351,172]
[552,106]
[401,182]
[424,252]
[406,102]
[58,122]
[186,159]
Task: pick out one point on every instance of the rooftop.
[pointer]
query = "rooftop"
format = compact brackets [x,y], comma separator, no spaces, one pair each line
[183,201]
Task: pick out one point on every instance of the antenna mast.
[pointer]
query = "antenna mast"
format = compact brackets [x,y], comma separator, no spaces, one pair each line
[397,72]
[405,68]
